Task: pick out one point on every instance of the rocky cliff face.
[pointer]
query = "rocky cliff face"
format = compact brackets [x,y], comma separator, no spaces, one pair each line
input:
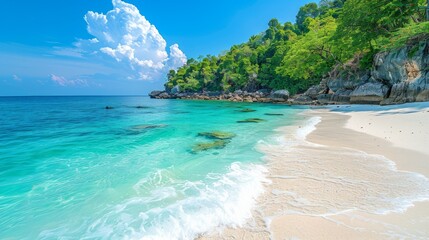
[406,72]
[397,76]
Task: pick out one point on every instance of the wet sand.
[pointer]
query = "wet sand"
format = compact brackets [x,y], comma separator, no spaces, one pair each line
[358,175]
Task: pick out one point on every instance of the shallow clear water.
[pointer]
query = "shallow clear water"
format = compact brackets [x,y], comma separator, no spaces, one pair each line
[71,169]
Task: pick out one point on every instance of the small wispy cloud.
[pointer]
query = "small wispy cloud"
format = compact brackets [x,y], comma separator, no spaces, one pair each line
[64,82]
[16,78]
[67,52]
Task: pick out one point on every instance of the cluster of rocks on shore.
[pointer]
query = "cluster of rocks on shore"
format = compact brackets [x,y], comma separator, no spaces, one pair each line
[397,76]
[265,96]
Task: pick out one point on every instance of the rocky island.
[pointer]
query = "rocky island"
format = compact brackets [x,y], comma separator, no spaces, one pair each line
[397,76]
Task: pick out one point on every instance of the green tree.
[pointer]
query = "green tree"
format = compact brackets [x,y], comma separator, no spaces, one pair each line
[327,5]
[313,54]
[273,27]
[310,10]
[364,21]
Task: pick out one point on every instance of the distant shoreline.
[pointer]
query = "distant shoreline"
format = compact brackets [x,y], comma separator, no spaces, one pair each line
[263,97]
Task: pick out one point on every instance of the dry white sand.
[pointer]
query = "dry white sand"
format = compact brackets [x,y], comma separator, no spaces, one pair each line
[359,175]
[404,127]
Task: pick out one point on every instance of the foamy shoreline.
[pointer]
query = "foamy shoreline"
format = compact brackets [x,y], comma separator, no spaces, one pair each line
[361,174]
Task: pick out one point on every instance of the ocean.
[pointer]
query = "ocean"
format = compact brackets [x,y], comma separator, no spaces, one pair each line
[146,169]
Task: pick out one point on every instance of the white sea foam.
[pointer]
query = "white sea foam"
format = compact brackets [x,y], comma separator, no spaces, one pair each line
[291,136]
[309,126]
[190,208]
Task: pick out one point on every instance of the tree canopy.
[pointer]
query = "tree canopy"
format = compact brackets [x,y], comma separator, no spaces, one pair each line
[295,56]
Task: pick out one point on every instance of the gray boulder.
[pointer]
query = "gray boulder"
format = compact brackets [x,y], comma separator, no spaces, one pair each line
[280,95]
[315,91]
[369,93]
[341,96]
[163,95]
[302,99]
[324,98]
[155,94]
[348,80]
[263,92]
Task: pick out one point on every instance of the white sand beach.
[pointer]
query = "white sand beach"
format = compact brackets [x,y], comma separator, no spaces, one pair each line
[361,174]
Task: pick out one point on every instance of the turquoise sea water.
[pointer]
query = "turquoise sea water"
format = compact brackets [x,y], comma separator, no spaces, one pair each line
[70,169]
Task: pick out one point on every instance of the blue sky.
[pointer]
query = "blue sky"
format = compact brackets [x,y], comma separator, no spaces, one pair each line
[46,47]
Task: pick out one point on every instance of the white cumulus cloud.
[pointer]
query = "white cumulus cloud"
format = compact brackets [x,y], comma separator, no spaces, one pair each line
[126,37]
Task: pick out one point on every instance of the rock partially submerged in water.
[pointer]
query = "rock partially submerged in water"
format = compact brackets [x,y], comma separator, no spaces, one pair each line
[217,135]
[141,107]
[274,114]
[220,140]
[251,120]
[246,110]
[139,129]
[218,144]
[148,126]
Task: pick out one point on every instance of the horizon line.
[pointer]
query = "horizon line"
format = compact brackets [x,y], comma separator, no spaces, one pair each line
[118,95]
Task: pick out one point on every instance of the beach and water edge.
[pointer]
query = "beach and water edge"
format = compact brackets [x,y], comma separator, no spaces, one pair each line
[345,172]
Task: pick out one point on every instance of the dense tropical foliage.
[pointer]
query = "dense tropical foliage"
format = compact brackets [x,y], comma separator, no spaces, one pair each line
[294,56]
